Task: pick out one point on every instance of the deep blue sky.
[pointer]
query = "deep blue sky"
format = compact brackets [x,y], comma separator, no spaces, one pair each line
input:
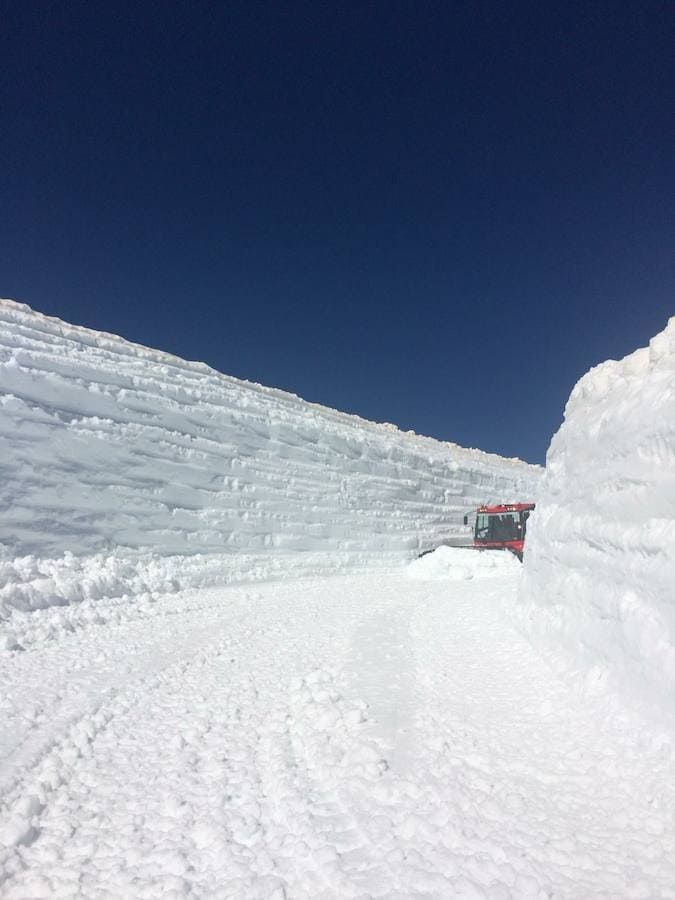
[438,214]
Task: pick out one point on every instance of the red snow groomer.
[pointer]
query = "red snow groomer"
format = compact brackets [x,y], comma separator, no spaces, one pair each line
[501,527]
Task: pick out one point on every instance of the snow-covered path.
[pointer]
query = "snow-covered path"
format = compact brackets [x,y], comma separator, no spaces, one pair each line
[371,736]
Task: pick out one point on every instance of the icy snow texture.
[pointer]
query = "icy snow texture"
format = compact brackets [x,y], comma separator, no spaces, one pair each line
[135,460]
[600,560]
[463,564]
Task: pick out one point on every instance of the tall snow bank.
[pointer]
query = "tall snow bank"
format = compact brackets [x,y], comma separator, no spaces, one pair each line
[124,468]
[599,567]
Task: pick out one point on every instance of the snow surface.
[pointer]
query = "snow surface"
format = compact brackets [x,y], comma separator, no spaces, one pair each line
[362,736]
[457,564]
[127,470]
[599,573]
[166,732]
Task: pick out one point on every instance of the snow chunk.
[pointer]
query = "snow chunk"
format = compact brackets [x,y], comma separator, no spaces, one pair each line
[462,564]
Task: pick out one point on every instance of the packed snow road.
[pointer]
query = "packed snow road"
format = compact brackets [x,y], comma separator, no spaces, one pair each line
[372,736]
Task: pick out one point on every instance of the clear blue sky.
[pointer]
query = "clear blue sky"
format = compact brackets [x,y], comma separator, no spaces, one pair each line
[438,214]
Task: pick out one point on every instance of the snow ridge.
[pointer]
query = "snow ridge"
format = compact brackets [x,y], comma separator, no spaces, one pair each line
[600,562]
[126,469]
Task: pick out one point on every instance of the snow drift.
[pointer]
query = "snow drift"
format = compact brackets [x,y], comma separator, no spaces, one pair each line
[600,561]
[128,469]
[463,564]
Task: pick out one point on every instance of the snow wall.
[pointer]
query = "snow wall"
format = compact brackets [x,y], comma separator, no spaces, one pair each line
[125,469]
[599,571]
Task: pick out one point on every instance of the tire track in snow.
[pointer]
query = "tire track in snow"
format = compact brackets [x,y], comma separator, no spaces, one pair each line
[240,733]
[266,762]
[81,701]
